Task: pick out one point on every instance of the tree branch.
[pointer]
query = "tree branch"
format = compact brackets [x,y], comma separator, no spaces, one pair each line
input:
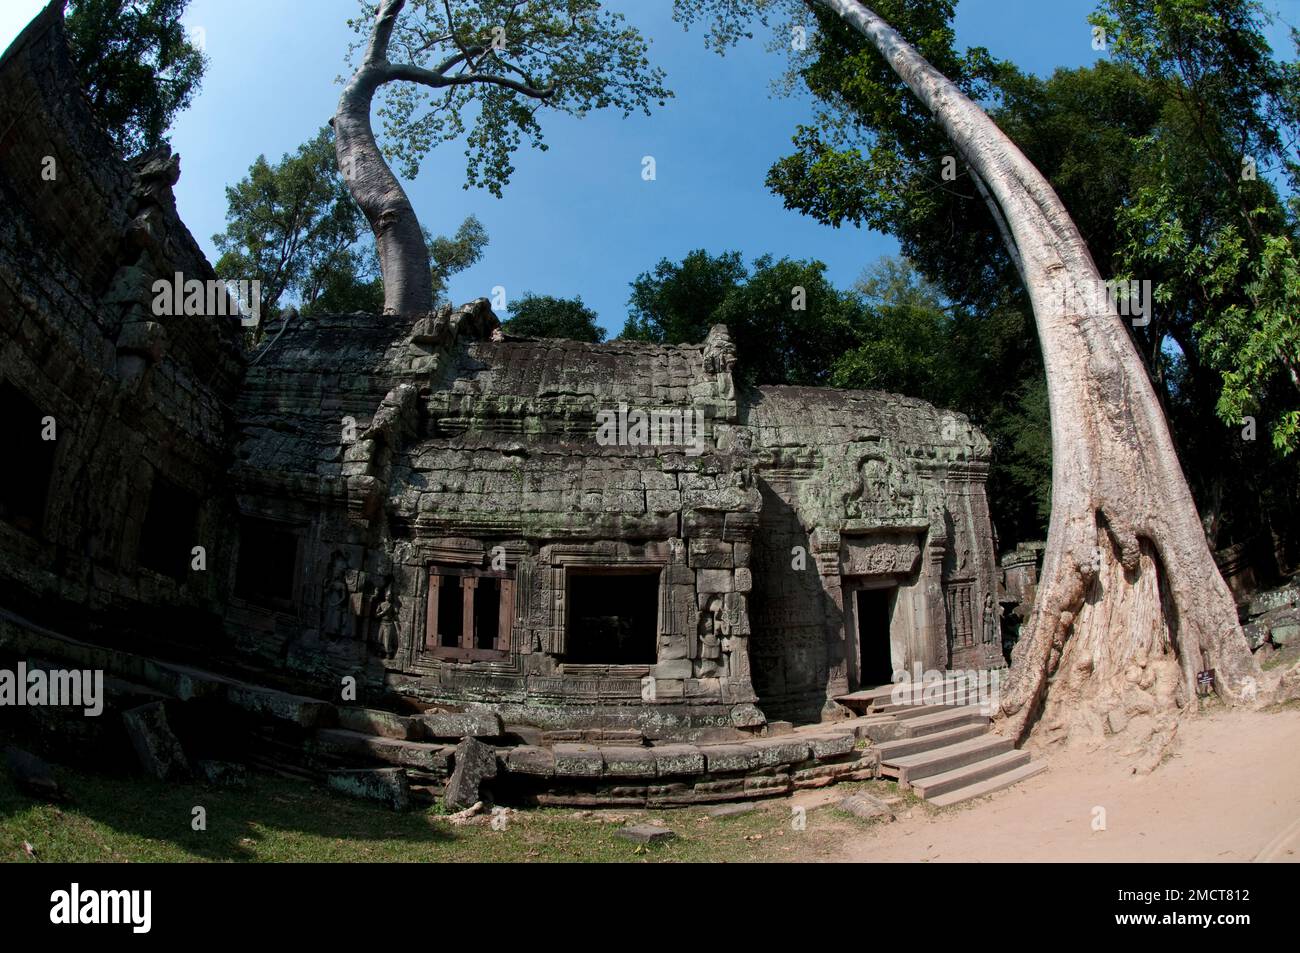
[418,74]
[385,20]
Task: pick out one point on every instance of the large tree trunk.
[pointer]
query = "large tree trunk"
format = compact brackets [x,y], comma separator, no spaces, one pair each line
[1130,606]
[403,255]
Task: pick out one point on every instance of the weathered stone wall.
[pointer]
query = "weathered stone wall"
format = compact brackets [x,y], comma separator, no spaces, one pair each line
[140,404]
[864,491]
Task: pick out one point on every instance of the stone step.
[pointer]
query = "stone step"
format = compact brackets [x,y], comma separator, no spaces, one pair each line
[945,719]
[995,783]
[970,774]
[908,712]
[355,746]
[928,763]
[929,742]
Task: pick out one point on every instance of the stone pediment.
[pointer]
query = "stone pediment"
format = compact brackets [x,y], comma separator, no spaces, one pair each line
[880,554]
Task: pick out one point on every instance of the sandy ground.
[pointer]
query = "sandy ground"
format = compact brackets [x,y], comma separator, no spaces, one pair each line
[1230,792]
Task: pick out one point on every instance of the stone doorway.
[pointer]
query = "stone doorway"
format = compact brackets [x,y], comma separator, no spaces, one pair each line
[872,622]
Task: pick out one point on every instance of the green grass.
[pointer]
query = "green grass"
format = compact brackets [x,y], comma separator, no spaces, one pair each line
[135,819]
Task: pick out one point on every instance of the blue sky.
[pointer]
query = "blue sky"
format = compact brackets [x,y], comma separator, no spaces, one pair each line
[577,219]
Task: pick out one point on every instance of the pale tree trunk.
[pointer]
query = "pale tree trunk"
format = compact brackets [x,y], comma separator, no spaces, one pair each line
[1130,606]
[403,255]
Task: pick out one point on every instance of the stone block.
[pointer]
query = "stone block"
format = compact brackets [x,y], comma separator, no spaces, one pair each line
[369,721]
[156,747]
[531,760]
[388,786]
[644,834]
[678,760]
[578,761]
[709,554]
[628,762]
[773,751]
[727,758]
[672,668]
[744,580]
[470,724]
[475,763]
[714,581]
[832,745]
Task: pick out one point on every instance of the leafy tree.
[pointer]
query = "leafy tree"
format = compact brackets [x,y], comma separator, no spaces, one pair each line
[292,225]
[1124,543]
[786,319]
[674,303]
[544,316]
[139,66]
[492,63]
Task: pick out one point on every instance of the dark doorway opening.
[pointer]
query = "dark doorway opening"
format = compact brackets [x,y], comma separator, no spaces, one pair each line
[612,618]
[167,537]
[25,479]
[874,610]
[268,563]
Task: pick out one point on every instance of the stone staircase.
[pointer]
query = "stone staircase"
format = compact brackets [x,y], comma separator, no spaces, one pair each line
[928,739]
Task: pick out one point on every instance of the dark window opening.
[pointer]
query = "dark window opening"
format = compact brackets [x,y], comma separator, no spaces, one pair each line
[483,635]
[487,613]
[167,537]
[25,478]
[268,562]
[613,618]
[875,609]
[451,611]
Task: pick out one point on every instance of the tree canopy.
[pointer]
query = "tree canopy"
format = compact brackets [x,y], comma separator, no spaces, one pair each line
[545,316]
[139,65]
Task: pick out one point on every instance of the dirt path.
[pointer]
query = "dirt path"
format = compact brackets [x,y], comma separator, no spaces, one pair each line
[1231,790]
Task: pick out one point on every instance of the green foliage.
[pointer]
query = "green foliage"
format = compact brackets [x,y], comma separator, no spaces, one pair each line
[139,67]
[1147,150]
[675,303]
[787,321]
[500,62]
[543,316]
[450,256]
[293,226]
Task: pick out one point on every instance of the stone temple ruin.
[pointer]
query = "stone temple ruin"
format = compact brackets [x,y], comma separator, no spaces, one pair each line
[431,554]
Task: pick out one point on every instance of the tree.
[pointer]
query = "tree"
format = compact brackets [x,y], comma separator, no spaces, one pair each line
[675,303]
[503,60]
[1133,147]
[292,225]
[1130,599]
[911,340]
[139,66]
[543,316]
[787,321]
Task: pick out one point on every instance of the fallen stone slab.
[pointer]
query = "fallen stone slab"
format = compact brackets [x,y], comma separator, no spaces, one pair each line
[385,724]
[455,724]
[475,763]
[32,775]
[343,744]
[224,774]
[644,834]
[156,747]
[866,807]
[388,786]
[732,810]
